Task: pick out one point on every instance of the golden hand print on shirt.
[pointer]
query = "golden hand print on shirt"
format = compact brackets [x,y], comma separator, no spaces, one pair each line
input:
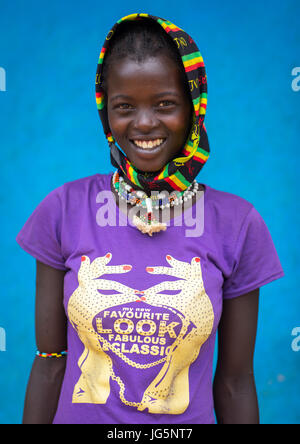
[169,391]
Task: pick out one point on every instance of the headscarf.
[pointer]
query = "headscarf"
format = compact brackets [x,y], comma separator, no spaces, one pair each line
[180,172]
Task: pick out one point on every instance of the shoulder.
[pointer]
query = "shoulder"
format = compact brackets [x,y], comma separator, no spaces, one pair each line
[227,215]
[225,204]
[76,192]
[100,181]
[78,188]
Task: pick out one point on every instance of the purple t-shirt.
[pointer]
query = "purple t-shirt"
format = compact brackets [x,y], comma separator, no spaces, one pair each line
[143,311]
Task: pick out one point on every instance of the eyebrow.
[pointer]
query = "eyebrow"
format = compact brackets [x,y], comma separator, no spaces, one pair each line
[157,96]
[120,96]
[166,93]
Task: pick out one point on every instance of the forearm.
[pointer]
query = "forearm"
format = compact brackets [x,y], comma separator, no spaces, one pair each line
[236,400]
[43,390]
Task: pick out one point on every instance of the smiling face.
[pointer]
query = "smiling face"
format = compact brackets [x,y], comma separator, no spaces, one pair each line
[149,110]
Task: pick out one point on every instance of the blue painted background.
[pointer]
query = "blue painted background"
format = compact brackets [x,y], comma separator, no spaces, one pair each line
[50,133]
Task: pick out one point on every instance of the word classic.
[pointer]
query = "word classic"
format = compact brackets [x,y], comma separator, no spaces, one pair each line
[2,79]
[2,340]
[296,80]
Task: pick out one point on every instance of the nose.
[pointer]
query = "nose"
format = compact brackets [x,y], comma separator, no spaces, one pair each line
[145,121]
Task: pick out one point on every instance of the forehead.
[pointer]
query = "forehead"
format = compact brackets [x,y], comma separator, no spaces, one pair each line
[153,74]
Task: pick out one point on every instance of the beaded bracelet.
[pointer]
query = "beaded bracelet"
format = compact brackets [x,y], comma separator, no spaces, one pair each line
[52,355]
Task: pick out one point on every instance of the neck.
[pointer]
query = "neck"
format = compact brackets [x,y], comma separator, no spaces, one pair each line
[163,214]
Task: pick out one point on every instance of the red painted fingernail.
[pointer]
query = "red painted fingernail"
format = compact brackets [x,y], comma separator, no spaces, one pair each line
[169,257]
[150,269]
[141,299]
[197,259]
[82,258]
[108,255]
[127,267]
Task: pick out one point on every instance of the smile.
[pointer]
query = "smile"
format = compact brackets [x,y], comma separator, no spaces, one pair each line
[148,144]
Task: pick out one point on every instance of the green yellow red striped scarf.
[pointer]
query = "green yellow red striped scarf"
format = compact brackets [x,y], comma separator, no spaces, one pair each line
[180,172]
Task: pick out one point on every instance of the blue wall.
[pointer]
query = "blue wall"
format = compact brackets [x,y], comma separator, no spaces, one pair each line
[50,133]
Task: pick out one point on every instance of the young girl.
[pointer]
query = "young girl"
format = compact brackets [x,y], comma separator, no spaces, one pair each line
[138,269]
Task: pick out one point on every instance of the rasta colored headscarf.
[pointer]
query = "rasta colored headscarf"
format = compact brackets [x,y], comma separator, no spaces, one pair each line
[180,172]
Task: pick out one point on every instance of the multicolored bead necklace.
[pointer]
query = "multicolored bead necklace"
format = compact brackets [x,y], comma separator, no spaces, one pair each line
[147,223]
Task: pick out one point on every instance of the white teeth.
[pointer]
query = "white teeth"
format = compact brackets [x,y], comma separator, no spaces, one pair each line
[148,144]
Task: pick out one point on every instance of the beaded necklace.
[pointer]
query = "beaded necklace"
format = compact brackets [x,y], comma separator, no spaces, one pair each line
[147,223]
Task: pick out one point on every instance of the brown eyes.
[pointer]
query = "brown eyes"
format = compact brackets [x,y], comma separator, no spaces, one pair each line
[162,104]
[124,106]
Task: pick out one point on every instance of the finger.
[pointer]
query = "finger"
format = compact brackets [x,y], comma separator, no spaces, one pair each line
[160,270]
[84,264]
[118,269]
[85,261]
[100,267]
[178,268]
[196,260]
[182,268]
[84,270]
[105,284]
[196,267]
